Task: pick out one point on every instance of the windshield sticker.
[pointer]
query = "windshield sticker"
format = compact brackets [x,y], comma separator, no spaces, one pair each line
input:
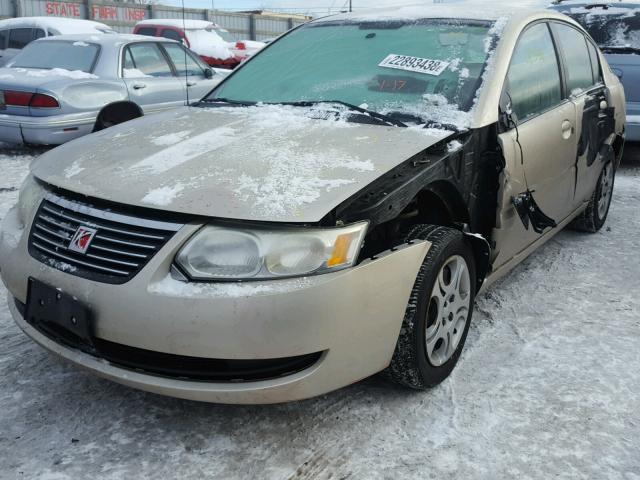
[414,64]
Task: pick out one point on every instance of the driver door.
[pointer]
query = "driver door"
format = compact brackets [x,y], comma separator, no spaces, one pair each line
[539,144]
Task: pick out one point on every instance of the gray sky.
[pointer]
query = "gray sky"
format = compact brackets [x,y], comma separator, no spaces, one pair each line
[317,7]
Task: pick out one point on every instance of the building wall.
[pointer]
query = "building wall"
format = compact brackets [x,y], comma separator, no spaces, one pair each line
[123,16]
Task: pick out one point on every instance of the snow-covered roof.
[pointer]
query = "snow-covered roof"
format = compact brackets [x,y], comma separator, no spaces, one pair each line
[104,40]
[63,25]
[179,23]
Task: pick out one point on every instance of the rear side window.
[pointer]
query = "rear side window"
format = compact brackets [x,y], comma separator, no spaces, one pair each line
[148,31]
[183,61]
[573,45]
[38,33]
[19,37]
[148,59]
[533,81]
[4,34]
[172,34]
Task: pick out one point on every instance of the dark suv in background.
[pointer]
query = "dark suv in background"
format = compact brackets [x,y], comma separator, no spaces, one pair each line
[615,26]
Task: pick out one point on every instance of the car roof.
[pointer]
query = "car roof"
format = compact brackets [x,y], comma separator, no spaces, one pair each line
[179,23]
[599,4]
[106,40]
[59,23]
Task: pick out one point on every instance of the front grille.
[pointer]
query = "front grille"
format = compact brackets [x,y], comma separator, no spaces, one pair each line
[122,245]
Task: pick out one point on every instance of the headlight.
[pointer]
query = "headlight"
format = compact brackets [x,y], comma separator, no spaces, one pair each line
[29,198]
[223,253]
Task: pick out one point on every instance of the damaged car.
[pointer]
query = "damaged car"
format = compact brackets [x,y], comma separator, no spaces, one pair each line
[329,211]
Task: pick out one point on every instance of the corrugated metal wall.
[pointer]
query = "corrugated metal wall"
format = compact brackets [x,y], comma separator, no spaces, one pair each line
[123,16]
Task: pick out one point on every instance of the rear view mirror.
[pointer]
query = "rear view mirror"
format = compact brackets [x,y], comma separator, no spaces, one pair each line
[208,73]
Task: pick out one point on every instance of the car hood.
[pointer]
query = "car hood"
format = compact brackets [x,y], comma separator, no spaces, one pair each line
[269,163]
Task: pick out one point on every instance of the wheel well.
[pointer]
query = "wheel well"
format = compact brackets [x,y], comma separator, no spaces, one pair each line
[118,112]
[440,203]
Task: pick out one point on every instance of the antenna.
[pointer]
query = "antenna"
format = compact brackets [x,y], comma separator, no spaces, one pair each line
[186,77]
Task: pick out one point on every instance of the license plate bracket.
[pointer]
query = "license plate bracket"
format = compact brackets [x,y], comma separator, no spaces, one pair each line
[59,315]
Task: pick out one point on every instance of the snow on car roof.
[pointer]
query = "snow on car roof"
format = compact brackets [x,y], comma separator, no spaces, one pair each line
[106,40]
[175,22]
[63,25]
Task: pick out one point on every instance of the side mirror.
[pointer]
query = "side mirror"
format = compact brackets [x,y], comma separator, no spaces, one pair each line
[208,73]
[617,72]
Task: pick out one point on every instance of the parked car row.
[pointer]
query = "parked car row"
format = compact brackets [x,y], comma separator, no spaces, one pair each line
[329,211]
[61,88]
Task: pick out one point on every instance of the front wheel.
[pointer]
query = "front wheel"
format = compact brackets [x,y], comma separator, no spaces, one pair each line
[438,315]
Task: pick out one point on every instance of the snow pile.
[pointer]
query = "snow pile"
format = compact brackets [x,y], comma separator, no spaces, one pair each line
[163,196]
[80,44]
[208,44]
[56,72]
[134,73]
[73,170]
[454,146]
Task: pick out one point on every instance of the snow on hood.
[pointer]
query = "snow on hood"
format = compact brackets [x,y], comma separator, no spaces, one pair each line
[265,163]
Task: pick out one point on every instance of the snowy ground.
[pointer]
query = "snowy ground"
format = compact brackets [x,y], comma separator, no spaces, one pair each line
[548,386]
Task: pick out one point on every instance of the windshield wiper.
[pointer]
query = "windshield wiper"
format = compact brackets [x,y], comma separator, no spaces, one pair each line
[410,117]
[378,116]
[227,100]
[620,49]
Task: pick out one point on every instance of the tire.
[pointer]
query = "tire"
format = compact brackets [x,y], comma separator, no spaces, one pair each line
[112,116]
[595,215]
[418,361]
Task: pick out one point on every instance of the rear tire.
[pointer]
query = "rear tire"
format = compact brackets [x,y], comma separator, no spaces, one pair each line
[438,315]
[115,114]
[595,215]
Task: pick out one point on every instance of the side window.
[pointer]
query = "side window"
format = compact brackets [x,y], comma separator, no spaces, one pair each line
[595,62]
[148,31]
[172,34]
[19,37]
[4,34]
[147,60]
[178,56]
[573,45]
[533,81]
[38,33]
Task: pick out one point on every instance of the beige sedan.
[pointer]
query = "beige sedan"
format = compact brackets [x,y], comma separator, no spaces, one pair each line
[329,211]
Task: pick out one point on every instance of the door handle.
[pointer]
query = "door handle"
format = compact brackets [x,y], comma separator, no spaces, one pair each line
[567,129]
[191,83]
[139,86]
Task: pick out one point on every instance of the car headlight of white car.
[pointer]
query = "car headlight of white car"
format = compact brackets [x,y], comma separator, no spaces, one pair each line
[29,198]
[225,253]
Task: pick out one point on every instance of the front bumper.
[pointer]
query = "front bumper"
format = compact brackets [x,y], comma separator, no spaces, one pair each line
[52,130]
[353,317]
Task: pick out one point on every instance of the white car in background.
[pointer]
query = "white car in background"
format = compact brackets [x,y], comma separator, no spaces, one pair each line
[17,33]
[213,43]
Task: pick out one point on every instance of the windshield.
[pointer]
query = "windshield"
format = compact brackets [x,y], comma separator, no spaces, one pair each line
[614,27]
[421,68]
[57,54]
